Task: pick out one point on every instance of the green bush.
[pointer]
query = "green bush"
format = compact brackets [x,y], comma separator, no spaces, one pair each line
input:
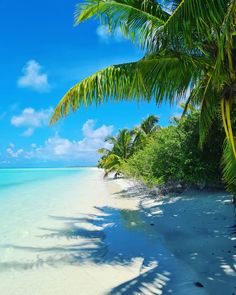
[173,155]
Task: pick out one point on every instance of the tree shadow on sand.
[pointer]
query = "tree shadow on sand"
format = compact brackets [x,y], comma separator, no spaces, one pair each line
[109,237]
[117,237]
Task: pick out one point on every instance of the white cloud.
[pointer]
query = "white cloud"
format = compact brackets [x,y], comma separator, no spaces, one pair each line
[101,132]
[62,148]
[28,132]
[59,148]
[14,154]
[105,35]
[33,77]
[31,119]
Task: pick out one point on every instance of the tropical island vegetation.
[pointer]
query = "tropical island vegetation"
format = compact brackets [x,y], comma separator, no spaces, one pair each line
[167,156]
[189,50]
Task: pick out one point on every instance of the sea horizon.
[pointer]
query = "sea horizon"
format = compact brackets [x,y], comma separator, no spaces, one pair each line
[48,167]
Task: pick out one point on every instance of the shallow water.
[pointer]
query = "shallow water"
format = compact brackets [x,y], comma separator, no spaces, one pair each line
[28,196]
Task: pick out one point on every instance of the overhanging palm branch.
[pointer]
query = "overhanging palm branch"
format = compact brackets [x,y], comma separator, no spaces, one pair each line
[166,76]
[215,22]
[194,16]
[138,20]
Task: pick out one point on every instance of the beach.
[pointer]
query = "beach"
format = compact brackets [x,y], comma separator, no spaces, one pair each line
[81,234]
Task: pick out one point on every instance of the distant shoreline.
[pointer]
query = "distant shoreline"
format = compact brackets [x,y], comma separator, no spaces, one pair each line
[65,167]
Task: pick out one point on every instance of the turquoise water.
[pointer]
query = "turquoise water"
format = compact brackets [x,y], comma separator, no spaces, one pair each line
[29,196]
[11,178]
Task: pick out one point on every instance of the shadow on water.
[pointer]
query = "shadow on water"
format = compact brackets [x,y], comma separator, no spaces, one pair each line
[118,237]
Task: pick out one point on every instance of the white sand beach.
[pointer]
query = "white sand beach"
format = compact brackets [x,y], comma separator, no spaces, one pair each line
[109,237]
[197,231]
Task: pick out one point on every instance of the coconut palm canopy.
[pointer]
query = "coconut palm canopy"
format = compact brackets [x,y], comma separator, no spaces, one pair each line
[122,149]
[189,52]
[124,145]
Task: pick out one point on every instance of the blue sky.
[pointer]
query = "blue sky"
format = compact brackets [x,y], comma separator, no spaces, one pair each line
[42,55]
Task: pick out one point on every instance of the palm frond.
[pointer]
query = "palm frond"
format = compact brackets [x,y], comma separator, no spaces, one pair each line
[103,151]
[166,76]
[149,124]
[192,101]
[111,163]
[194,19]
[110,139]
[138,20]
[117,83]
[210,103]
[225,41]
[229,166]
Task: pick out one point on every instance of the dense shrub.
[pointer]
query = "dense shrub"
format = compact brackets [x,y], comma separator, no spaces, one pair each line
[173,155]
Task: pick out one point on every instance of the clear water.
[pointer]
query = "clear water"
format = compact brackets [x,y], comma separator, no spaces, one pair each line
[10,178]
[29,196]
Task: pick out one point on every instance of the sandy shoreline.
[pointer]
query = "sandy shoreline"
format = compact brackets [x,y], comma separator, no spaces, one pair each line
[197,231]
[120,240]
[63,255]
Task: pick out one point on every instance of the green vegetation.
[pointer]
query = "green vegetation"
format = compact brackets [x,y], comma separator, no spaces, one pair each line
[171,155]
[125,144]
[189,52]
[122,149]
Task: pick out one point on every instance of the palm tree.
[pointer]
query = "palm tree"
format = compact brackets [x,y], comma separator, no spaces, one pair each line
[190,48]
[121,150]
[147,127]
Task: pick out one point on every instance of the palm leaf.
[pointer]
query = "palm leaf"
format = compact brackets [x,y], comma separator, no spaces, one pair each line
[194,19]
[166,76]
[229,166]
[210,102]
[149,124]
[138,19]
[103,151]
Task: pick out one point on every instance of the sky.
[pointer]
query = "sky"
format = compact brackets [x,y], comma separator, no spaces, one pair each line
[42,55]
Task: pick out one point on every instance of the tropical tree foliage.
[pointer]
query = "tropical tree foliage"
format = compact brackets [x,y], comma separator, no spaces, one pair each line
[172,156]
[189,52]
[125,144]
[147,127]
[122,149]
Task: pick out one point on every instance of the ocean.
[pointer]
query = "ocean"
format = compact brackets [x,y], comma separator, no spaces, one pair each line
[29,197]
